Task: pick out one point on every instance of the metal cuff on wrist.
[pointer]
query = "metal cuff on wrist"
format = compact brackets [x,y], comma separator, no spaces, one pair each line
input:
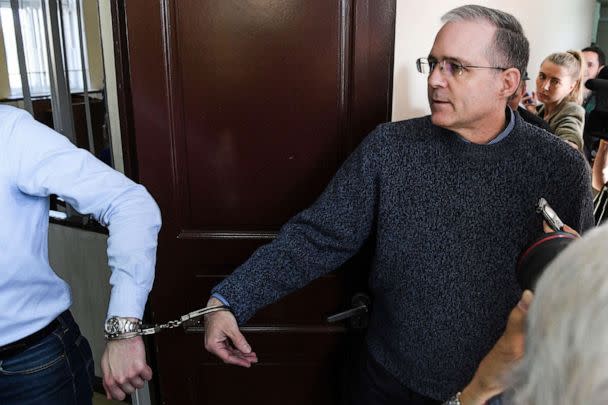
[117,328]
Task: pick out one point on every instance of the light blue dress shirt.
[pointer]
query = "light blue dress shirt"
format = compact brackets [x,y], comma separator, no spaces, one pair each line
[35,162]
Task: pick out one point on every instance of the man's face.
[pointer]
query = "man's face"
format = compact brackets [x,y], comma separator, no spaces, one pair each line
[592,63]
[470,101]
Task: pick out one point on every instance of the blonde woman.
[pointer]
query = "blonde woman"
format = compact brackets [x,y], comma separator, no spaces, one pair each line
[559,87]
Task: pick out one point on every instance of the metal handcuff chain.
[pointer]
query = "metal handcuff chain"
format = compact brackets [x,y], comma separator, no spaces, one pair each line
[191,316]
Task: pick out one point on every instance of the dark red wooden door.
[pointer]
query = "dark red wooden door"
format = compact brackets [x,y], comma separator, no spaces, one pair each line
[242,110]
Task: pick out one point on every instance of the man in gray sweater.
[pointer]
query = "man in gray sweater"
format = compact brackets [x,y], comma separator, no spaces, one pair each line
[451,201]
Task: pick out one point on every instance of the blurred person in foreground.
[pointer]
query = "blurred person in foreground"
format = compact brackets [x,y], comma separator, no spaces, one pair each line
[553,350]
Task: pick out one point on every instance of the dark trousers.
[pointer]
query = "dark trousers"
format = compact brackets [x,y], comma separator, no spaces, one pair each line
[57,370]
[376,386]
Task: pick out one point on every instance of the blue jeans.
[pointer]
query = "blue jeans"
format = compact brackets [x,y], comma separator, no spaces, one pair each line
[58,370]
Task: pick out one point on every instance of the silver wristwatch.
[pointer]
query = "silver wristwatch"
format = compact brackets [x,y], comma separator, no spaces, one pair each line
[117,327]
[455,400]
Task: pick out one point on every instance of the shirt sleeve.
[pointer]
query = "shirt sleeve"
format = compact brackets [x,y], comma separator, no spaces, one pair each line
[49,164]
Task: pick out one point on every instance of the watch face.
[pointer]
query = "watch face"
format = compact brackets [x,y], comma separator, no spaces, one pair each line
[112,325]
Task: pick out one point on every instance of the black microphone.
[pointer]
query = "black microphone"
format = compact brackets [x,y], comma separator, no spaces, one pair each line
[597,85]
[536,257]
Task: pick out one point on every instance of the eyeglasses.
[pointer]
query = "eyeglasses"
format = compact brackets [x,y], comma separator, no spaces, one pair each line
[448,67]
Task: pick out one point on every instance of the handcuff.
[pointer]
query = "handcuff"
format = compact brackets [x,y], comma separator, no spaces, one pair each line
[117,328]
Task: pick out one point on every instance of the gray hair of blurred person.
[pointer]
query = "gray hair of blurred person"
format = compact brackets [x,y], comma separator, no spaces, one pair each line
[510,45]
[566,359]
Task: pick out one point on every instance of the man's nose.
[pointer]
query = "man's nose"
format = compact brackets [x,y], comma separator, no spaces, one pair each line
[436,77]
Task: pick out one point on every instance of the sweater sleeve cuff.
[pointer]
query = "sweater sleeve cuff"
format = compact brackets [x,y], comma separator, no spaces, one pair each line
[240,306]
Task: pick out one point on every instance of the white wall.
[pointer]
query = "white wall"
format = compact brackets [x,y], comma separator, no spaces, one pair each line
[550,25]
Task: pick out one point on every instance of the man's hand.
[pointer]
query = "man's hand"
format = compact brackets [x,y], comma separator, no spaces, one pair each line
[224,339]
[530,101]
[124,367]
[565,228]
[489,379]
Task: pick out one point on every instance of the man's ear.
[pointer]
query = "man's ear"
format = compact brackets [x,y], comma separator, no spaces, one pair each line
[510,82]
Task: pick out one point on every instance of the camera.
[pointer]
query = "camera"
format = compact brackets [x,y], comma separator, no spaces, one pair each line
[536,257]
[597,120]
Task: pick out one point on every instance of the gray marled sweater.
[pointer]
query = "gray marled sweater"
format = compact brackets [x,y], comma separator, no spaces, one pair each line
[450,219]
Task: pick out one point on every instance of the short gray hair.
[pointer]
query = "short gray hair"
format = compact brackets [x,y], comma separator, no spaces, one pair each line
[566,360]
[510,47]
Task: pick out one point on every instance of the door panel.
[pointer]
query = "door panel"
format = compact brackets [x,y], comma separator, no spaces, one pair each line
[259,114]
[242,112]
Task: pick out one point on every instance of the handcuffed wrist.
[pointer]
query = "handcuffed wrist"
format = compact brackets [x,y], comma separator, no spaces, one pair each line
[118,328]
